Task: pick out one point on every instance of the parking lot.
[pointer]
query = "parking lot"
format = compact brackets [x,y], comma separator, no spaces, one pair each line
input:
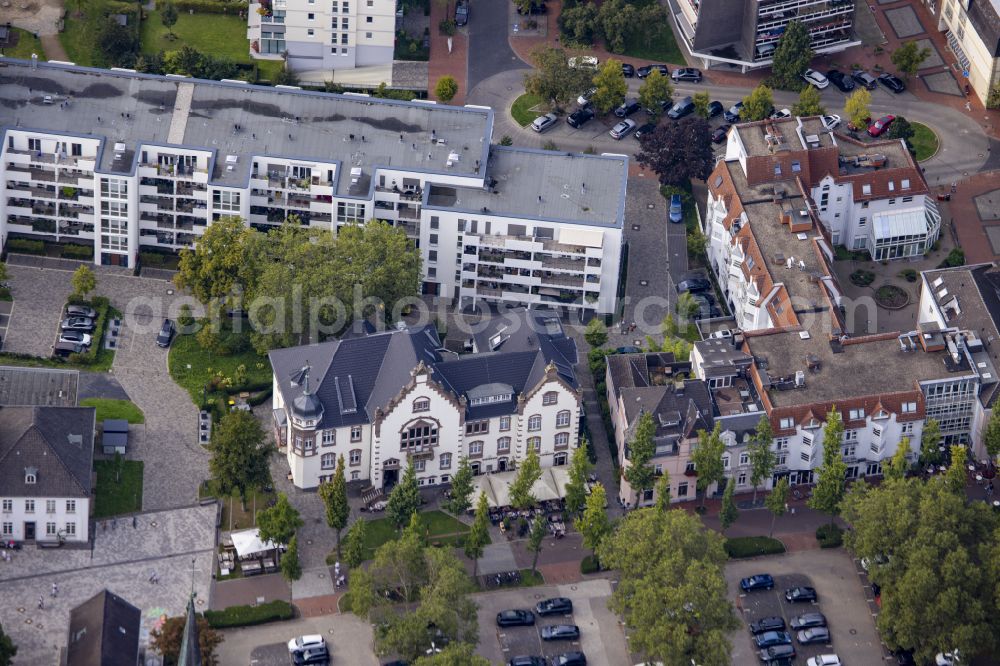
[601,637]
[348,638]
[841,598]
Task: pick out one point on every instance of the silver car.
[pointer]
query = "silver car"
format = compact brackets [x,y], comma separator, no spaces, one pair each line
[542,123]
[622,129]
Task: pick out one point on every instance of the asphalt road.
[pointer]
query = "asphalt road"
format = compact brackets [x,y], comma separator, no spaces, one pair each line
[489,50]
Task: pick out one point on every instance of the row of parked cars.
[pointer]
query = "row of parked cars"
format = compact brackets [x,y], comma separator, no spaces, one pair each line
[858,77]
[776,645]
[75,330]
[522,617]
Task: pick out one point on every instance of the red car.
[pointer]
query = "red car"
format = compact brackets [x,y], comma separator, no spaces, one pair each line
[879,127]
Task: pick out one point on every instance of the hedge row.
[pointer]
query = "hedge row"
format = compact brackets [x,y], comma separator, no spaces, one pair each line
[829,536]
[739,547]
[206,6]
[25,246]
[245,616]
[74,251]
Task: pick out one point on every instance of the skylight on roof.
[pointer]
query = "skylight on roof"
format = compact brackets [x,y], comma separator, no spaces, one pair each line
[866,189]
[937,283]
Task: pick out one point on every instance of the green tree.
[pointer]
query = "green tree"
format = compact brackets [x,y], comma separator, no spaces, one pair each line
[594,525]
[596,333]
[553,79]
[291,568]
[728,513]
[687,306]
[955,477]
[446,88]
[168,637]
[7,649]
[404,500]
[578,23]
[117,44]
[461,489]
[529,471]
[220,260]
[856,109]
[400,565]
[809,103]
[758,105]
[84,281]
[930,439]
[707,459]
[762,459]
[662,492]
[991,434]
[830,487]
[454,654]
[278,523]
[168,17]
[535,539]
[777,501]
[638,452]
[479,534]
[908,58]
[576,487]
[617,21]
[4,273]
[611,86]
[701,101]
[791,57]
[655,93]
[240,454]
[901,129]
[898,464]
[334,496]
[354,543]
[672,592]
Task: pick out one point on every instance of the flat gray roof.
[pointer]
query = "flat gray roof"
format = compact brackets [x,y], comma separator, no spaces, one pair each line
[21,387]
[130,108]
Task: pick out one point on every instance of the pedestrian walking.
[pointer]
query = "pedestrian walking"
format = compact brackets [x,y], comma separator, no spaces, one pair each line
[968,106]
[41,602]
[336,569]
[55,590]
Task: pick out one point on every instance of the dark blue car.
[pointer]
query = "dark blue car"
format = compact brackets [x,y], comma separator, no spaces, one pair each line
[757,582]
[676,209]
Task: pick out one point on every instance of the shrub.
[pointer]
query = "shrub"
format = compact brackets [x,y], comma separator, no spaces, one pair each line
[739,547]
[151,258]
[908,274]
[862,278]
[829,536]
[185,319]
[245,616]
[955,258]
[590,564]
[25,246]
[205,6]
[447,27]
[73,251]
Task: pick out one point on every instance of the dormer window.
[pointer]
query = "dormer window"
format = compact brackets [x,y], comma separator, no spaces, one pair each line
[421,405]
[30,475]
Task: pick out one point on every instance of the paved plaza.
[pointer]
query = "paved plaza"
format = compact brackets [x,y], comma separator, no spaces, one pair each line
[124,557]
[904,22]
[934,59]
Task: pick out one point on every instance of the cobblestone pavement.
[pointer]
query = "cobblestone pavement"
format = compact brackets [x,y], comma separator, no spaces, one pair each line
[122,560]
[39,295]
[349,638]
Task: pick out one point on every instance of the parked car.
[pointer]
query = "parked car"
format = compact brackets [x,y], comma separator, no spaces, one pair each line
[813,635]
[560,632]
[841,80]
[904,657]
[771,623]
[306,642]
[715,108]
[64,349]
[733,114]
[585,96]
[864,79]
[525,660]
[77,324]
[807,620]
[166,334]
[648,128]
[706,307]
[695,285]
[948,659]
[878,560]
[628,349]
[771,638]
[777,654]
[814,78]
[580,117]
[628,70]
[681,109]
[781,114]
[645,70]
[314,655]
[81,311]
[570,659]
[720,133]
[621,130]
[76,337]
[831,122]
[542,123]
[554,606]
[627,108]
[461,12]
[584,62]
[892,82]
[824,660]
[516,617]
[798,594]
[727,334]
[879,127]
[689,74]
[757,581]
[676,209]
[864,124]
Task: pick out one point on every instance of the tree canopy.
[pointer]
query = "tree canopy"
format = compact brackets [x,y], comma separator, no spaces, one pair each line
[762,458]
[553,79]
[461,488]
[576,487]
[678,151]
[594,525]
[278,523]
[167,640]
[334,496]
[638,452]
[809,103]
[404,499]
[830,486]
[479,533]
[777,501]
[84,281]
[758,105]
[991,435]
[707,459]
[908,57]
[240,454]
[529,471]
[791,57]
[7,649]
[930,439]
[611,86]
[856,109]
[655,92]
[446,88]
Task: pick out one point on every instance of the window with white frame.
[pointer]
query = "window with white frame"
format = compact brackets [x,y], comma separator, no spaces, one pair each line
[503,445]
[70,506]
[906,428]
[50,506]
[909,407]
[535,443]
[848,450]
[355,475]
[329,437]
[50,529]
[476,448]
[850,435]
[550,398]
[563,419]
[780,443]
[786,423]
[534,422]
[658,469]
[30,476]
[29,506]
[744,458]
[444,462]
[725,462]
[8,529]
[504,423]
[8,506]
[856,414]
[421,405]
[70,529]
[781,459]
[348,212]
[419,465]
[355,456]
[355,433]
[562,440]
[741,479]
[682,489]
[328,461]
[419,436]
[226,200]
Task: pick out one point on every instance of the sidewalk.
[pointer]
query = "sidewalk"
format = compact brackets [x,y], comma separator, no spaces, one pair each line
[978,237]
[441,61]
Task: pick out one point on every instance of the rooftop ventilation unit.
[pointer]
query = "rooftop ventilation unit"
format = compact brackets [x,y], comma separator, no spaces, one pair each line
[800,379]
[355,175]
[804,335]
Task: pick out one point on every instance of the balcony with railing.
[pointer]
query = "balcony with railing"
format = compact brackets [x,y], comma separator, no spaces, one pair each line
[408,212]
[561,263]
[42,175]
[559,280]
[162,203]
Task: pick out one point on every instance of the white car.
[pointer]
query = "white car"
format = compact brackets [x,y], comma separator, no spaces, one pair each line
[622,129]
[542,123]
[724,334]
[948,658]
[831,122]
[584,62]
[305,642]
[76,337]
[780,115]
[814,78]
[824,660]
[584,98]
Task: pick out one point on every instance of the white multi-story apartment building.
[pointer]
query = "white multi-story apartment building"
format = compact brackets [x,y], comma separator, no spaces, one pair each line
[973,31]
[385,400]
[153,160]
[325,35]
[46,458]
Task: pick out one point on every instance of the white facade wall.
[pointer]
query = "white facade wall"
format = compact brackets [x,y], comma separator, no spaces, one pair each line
[984,68]
[12,523]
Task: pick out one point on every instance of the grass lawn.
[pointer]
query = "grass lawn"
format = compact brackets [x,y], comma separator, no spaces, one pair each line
[118,497]
[219,35]
[924,141]
[26,45]
[523,109]
[438,523]
[115,409]
[233,515]
[661,47]
[192,367]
